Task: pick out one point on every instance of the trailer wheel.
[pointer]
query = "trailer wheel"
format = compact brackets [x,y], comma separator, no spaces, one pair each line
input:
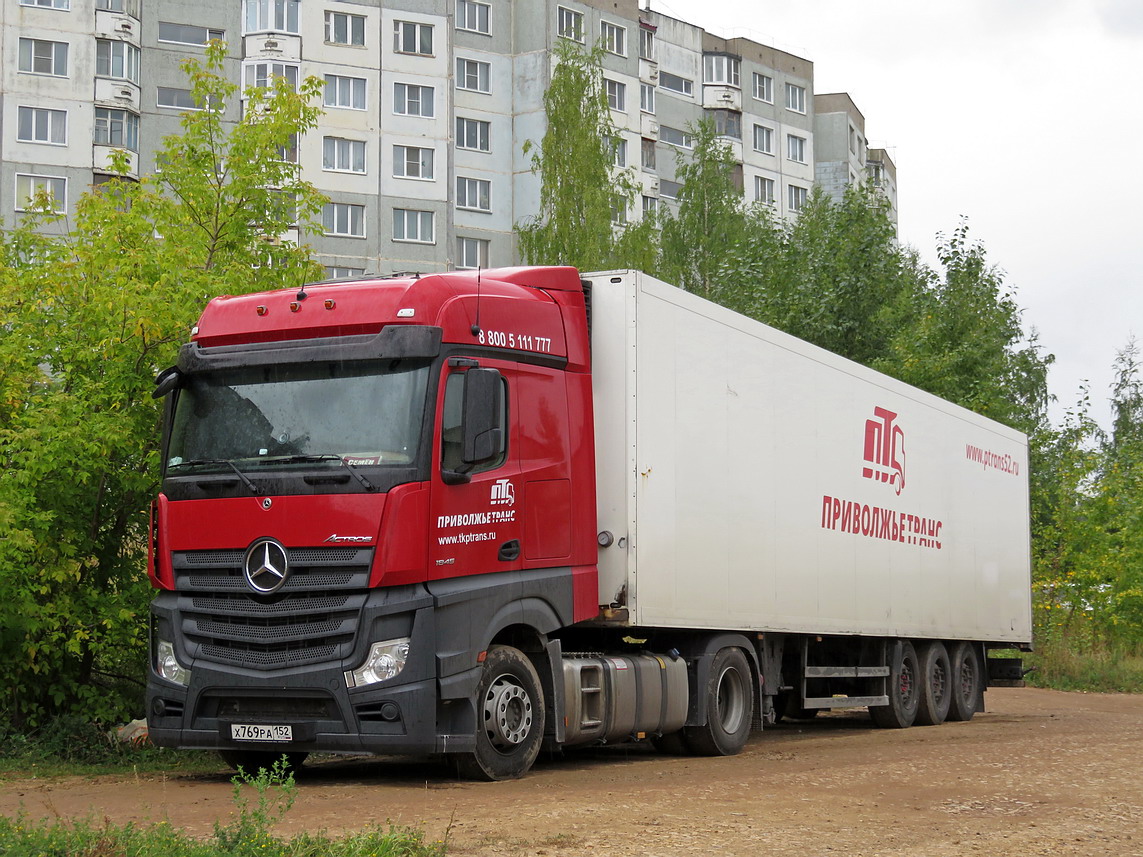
[966,682]
[509,717]
[729,700]
[904,690]
[251,761]
[935,671]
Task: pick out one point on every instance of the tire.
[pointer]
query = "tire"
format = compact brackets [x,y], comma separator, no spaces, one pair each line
[904,690]
[729,700]
[509,717]
[967,678]
[935,671]
[252,761]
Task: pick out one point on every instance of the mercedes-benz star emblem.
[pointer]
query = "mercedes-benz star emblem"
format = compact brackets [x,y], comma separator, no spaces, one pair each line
[266,566]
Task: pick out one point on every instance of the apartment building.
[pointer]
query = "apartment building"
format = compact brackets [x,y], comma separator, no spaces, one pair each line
[844,158]
[427,106]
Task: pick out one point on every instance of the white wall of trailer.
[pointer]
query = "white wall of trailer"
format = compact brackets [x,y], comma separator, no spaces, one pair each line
[735,473]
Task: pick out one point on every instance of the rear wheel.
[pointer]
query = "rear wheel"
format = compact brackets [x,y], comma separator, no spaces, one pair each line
[509,717]
[936,683]
[904,692]
[729,700]
[252,761]
[966,682]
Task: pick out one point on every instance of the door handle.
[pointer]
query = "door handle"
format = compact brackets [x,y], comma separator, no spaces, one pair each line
[509,551]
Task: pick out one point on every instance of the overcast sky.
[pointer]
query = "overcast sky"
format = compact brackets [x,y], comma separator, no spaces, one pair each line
[1025,116]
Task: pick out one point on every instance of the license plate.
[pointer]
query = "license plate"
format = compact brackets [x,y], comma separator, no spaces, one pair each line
[260,732]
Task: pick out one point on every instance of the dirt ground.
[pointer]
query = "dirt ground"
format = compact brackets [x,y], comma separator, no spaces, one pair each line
[1041,772]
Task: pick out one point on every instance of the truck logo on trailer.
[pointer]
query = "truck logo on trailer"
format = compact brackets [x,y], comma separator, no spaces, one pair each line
[503,493]
[884,449]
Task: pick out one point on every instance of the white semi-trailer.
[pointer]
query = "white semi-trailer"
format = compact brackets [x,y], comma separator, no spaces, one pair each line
[472,513]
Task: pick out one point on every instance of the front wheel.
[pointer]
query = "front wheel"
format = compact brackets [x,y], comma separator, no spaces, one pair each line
[509,717]
[729,700]
[904,690]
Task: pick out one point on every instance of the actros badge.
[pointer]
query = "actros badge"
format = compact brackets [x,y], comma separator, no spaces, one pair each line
[266,567]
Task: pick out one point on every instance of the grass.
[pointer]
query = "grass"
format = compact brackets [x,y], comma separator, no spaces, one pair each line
[1060,667]
[249,834]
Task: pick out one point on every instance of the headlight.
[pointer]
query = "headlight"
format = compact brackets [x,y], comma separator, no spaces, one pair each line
[384,661]
[168,666]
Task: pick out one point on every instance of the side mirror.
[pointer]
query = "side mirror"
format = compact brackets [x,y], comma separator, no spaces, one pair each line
[483,408]
[166,381]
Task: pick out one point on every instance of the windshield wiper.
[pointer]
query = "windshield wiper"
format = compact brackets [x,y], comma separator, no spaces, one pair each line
[325,456]
[196,461]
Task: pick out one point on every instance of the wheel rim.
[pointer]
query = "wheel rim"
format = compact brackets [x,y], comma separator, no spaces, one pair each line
[967,678]
[731,700]
[939,681]
[507,714]
[907,683]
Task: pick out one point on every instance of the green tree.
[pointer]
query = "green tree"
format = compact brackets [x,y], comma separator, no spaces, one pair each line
[96,314]
[580,191]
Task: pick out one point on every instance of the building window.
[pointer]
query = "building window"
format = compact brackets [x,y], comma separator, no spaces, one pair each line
[721,69]
[669,189]
[472,252]
[618,211]
[474,194]
[616,94]
[348,92]
[412,100]
[41,125]
[117,128]
[262,74]
[334,272]
[473,134]
[674,83]
[342,28]
[279,16]
[618,152]
[764,87]
[343,156]
[38,56]
[131,7]
[289,152]
[47,4]
[188,34]
[647,97]
[412,162]
[179,99]
[343,218]
[473,75]
[650,205]
[646,44]
[117,59]
[614,38]
[410,38]
[763,139]
[764,190]
[647,154]
[675,137]
[569,24]
[727,123]
[27,186]
[795,98]
[798,197]
[796,148]
[409,225]
[473,16]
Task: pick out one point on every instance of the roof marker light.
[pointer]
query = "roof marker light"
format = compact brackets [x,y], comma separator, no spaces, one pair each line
[408,312]
[330,304]
[262,310]
[295,306]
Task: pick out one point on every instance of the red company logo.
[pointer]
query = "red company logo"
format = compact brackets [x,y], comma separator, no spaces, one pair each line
[884,449]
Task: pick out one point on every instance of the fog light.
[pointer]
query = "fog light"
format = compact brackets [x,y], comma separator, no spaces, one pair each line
[384,661]
[168,666]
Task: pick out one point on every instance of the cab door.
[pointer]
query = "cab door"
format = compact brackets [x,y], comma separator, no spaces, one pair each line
[475,521]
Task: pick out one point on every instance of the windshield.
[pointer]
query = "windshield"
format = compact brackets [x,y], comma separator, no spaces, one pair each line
[360,413]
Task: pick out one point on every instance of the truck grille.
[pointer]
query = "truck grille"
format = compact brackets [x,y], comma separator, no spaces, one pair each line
[313,618]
